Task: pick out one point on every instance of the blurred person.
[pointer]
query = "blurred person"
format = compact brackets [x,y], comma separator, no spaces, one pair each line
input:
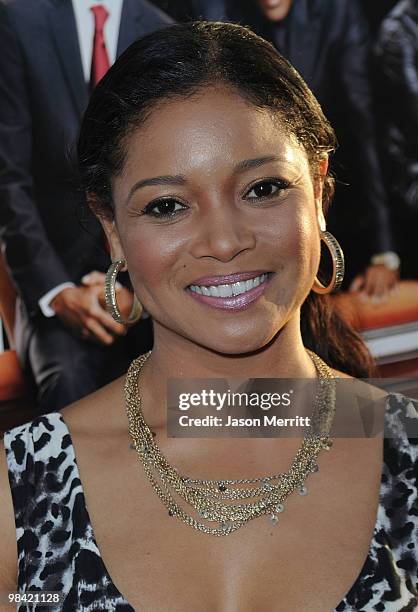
[327,42]
[207,158]
[396,59]
[186,10]
[53,52]
[376,11]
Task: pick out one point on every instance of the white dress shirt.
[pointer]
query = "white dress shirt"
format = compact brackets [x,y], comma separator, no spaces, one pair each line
[84,20]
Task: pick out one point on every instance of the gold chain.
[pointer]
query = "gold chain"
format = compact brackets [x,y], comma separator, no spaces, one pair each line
[206,496]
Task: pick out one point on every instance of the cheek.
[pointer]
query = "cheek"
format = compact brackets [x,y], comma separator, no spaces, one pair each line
[309,245]
[298,242]
[152,254]
[298,257]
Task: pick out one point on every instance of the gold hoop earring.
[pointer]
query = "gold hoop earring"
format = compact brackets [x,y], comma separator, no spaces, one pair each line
[110,296]
[338,265]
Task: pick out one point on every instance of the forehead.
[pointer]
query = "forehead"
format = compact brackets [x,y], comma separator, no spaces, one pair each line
[212,128]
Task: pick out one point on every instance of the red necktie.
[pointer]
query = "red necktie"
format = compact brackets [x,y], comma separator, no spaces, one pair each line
[100,60]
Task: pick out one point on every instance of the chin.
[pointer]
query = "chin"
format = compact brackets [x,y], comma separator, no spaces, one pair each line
[275,14]
[239,343]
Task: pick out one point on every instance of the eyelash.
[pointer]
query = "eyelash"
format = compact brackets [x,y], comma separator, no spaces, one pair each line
[281,185]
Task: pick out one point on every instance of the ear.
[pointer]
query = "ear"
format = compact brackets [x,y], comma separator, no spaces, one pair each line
[319,182]
[112,235]
[108,224]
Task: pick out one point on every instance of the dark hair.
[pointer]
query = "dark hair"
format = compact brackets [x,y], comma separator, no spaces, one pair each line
[177,62]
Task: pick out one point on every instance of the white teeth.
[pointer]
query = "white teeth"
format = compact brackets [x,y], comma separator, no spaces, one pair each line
[224,291]
[240,287]
[229,290]
[256,281]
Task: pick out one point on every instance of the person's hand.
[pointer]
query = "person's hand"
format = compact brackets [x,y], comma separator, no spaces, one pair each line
[124,297]
[377,283]
[80,309]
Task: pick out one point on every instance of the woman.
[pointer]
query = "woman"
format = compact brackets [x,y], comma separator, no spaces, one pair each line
[205,157]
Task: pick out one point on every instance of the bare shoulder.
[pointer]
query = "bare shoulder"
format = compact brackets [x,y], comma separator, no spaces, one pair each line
[340,374]
[8,547]
[361,387]
[98,411]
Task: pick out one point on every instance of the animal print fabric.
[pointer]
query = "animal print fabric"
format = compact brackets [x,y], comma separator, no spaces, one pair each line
[57,549]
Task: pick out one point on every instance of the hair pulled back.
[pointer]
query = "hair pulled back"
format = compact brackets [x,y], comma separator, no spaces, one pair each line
[179,61]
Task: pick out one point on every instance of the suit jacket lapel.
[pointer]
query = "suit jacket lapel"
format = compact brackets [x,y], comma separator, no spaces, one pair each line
[303,39]
[131,24]
[65,36]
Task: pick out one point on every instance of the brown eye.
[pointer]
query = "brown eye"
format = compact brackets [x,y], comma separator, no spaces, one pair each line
[163,208]
[266,189]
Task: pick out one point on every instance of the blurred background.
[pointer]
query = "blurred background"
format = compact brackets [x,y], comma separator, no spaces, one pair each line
[359,57]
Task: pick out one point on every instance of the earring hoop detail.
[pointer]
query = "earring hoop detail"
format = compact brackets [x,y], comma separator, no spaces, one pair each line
[110,296]
[338,265]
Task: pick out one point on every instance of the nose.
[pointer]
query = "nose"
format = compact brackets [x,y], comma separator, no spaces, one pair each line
[223,232]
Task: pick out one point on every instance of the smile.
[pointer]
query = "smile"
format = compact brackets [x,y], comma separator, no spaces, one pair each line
[231,296]
[229,289]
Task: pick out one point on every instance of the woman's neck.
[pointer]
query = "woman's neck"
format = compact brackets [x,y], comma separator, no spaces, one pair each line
[176,357]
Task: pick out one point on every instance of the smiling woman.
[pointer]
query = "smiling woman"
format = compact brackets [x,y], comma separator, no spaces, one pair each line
[205,156]
[269,151]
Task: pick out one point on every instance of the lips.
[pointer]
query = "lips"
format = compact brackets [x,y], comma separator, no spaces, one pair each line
[233,303]
[228,278]
[271,3]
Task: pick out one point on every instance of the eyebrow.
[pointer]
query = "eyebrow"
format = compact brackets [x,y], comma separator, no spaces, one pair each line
[156,180]
[179,179]
[249,164]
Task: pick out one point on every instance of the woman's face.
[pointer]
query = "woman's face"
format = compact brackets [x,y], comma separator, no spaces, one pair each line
[214,187]
[275,10]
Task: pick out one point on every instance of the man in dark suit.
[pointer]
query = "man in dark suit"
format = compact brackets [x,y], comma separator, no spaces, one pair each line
[64,336]
[188,10]
[396,63]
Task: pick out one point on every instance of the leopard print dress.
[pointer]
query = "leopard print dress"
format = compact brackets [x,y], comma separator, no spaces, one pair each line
[57,549]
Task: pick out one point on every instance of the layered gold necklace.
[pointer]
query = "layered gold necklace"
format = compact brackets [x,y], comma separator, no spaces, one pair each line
[211,499]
